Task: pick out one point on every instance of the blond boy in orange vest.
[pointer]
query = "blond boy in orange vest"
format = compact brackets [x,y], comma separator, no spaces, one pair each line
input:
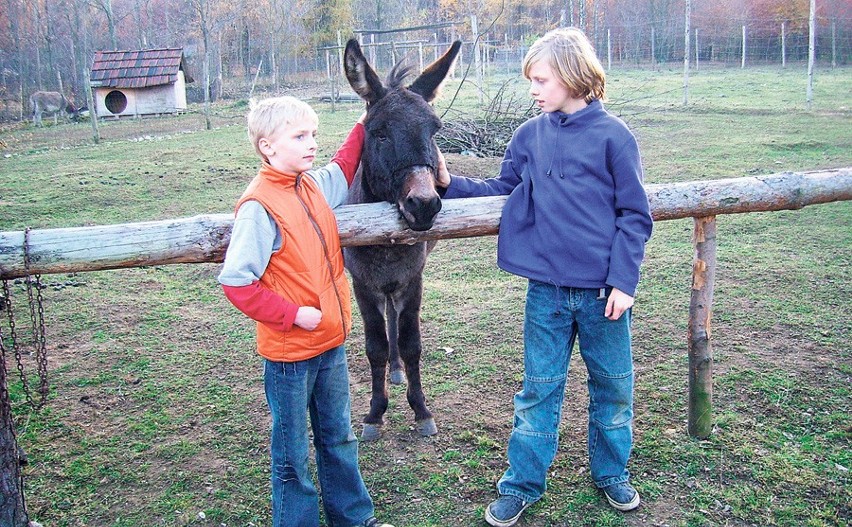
[284,269]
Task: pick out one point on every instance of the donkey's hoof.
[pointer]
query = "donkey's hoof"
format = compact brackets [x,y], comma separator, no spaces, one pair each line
[427,427]
[371,432]
[397,377]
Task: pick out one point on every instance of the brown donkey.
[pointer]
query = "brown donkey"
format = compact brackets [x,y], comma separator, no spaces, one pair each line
[398,166]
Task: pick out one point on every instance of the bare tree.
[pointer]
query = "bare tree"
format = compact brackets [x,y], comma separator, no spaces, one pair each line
[106,7]
[35,37]
[140,7]
[75,20]
[211,17]
[204,10]
[17,22]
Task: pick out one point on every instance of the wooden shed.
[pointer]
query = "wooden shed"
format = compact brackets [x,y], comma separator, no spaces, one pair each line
[135,83]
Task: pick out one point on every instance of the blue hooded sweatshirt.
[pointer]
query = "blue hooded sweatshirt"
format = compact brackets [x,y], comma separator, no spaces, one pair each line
[577,214]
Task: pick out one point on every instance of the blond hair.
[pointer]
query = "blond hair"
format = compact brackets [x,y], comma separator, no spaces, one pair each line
[571,56]
[268,116]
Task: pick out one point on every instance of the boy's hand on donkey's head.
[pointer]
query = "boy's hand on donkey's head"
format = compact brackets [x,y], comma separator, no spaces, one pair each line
[443,175]
[308,318]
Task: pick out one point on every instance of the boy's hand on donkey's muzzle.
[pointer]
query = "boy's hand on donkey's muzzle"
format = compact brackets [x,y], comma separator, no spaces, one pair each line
[442,178]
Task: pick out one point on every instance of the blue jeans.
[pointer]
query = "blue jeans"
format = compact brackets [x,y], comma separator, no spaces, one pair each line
[319,386]
[555,317]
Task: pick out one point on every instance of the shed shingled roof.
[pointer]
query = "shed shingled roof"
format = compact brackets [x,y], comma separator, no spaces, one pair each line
[138,69]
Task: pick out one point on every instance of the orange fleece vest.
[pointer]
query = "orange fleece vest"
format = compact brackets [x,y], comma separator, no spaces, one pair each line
[307,270]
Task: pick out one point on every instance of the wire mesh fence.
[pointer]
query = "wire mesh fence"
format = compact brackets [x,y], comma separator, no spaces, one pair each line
[728,42]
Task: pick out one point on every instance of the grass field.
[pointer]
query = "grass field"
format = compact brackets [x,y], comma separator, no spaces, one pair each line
[157,415]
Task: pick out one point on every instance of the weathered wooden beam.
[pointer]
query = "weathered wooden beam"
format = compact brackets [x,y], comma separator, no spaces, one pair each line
[784,191]
[204,238]
[12,512]
[700,416]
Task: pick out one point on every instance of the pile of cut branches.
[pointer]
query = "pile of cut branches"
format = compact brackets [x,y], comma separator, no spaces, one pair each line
[485,135]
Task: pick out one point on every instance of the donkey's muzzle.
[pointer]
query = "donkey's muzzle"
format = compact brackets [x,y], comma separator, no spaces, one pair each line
[419,202]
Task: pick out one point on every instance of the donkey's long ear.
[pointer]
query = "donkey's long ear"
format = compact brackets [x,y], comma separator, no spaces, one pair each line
[427,84]
[361,76]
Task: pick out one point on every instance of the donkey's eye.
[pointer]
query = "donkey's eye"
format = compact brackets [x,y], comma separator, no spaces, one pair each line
[380,136]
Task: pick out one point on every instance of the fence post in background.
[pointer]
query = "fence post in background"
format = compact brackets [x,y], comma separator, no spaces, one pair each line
[90,101]
[784,44]
[340,70]
[700,420]
[686,53]
[811,53]
[653,50]
[331,82]
[477,59]
[327,66]
[609,50]
[506,52]
[833,44]
[257,74]
[742,63]
[696,49]
[435,47]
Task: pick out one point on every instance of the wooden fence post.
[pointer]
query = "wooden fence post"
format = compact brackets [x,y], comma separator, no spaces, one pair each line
[700,421]
[12,510]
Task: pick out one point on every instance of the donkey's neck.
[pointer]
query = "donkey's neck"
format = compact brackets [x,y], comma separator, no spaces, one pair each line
[367,196]
[359,191]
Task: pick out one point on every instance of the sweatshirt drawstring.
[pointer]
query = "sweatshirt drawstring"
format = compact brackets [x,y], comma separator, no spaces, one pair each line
[556,147]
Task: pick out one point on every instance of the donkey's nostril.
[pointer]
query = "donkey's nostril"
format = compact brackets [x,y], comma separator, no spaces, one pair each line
[435,205]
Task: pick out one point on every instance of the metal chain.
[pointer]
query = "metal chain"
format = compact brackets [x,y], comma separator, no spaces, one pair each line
[16,348]
[39,341]
[37,319]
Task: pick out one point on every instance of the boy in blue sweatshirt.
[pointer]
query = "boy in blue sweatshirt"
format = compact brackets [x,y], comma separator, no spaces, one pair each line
[575,224]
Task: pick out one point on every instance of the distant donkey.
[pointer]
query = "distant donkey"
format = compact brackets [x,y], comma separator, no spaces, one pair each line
[51,102]
[398,166]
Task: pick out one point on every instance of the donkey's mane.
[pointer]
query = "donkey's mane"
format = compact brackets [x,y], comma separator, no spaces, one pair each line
[398,74]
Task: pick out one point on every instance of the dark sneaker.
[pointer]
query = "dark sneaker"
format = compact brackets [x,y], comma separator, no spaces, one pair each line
[505,511]
[622,496]
[372,522]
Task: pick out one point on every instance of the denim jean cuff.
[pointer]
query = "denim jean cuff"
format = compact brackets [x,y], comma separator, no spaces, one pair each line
[508,492]
[611,481]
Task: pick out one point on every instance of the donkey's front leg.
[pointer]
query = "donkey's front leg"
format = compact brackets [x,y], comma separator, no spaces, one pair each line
[397,376]
[410,349]
[372,306]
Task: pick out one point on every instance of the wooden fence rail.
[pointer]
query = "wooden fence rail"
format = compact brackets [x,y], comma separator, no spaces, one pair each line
[204,238]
